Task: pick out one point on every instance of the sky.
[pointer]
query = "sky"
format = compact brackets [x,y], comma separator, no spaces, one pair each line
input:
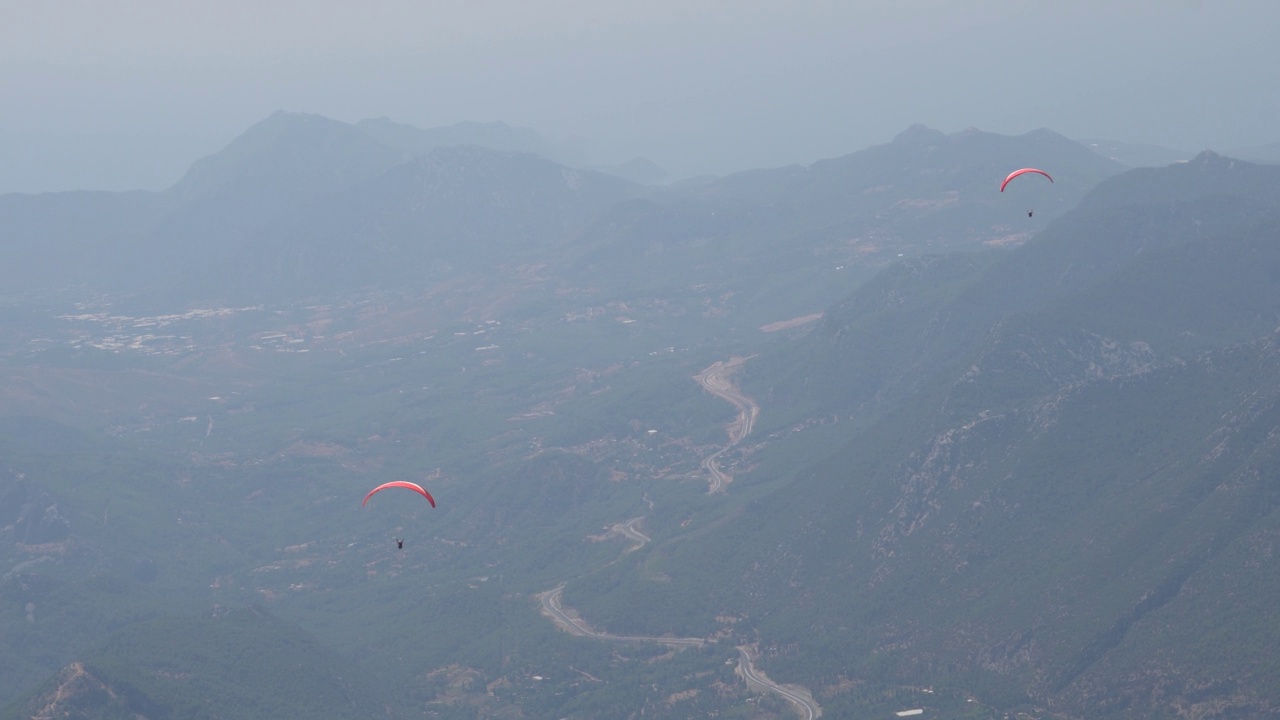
[126,94]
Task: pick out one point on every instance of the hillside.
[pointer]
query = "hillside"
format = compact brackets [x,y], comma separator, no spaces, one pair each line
[922,315]
[448,211]
[139,242]
[303,198]
[301,203]
[1058,474]
[228,663]
[997,458]
[795,239]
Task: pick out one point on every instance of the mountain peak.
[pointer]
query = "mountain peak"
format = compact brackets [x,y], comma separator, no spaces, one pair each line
[290,147]
[287,123]
[1209,158]
[1047,137]
[919,134]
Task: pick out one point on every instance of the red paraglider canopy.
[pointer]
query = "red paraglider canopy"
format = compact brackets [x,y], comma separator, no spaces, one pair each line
[400,484]
[1023,171]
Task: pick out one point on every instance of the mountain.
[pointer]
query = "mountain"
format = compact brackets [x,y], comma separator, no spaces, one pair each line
[275,168]
[449,210]
[300,196]
[1021,461]
[502,137]
[791,235]
[287,157]
[930,168]
[135,241]
[303,199]
[1057,485]
[956,300]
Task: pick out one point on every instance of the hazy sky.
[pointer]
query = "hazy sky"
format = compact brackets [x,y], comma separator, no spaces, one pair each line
[127,93]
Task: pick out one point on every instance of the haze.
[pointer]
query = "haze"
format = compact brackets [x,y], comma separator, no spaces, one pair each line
[126,95]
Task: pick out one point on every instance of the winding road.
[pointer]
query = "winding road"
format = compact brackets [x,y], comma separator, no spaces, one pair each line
[551,608]
[800,698]
[631,532]
[715,380]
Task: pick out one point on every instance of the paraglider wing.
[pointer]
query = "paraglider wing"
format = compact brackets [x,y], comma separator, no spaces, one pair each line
[1023,171]
[400,484]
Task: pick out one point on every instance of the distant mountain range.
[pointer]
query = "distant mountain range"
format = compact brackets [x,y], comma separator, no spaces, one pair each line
[1023,460]
[222,230]
[301,202]
[923,192]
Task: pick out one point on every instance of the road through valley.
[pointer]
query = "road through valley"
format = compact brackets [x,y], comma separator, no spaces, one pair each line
[715,380]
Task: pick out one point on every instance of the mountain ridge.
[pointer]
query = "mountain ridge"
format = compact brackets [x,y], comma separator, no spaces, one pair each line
[1031,510]
[1022,460]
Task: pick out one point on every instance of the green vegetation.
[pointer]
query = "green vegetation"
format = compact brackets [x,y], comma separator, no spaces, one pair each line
[232,663]
[987,482]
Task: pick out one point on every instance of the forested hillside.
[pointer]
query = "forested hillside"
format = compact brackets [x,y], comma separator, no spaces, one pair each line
[1059,487]
[869,427]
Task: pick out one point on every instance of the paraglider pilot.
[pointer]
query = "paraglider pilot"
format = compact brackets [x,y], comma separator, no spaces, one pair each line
[399,543]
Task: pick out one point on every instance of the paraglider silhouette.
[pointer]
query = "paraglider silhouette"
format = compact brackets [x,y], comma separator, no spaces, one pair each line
[1024,171]
[400,484]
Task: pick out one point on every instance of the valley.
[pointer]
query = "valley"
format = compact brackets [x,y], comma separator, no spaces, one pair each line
[850,439]
[714,379]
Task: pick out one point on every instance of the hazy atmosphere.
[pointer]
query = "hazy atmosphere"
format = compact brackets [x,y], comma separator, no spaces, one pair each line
[615,360]
[126,95]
